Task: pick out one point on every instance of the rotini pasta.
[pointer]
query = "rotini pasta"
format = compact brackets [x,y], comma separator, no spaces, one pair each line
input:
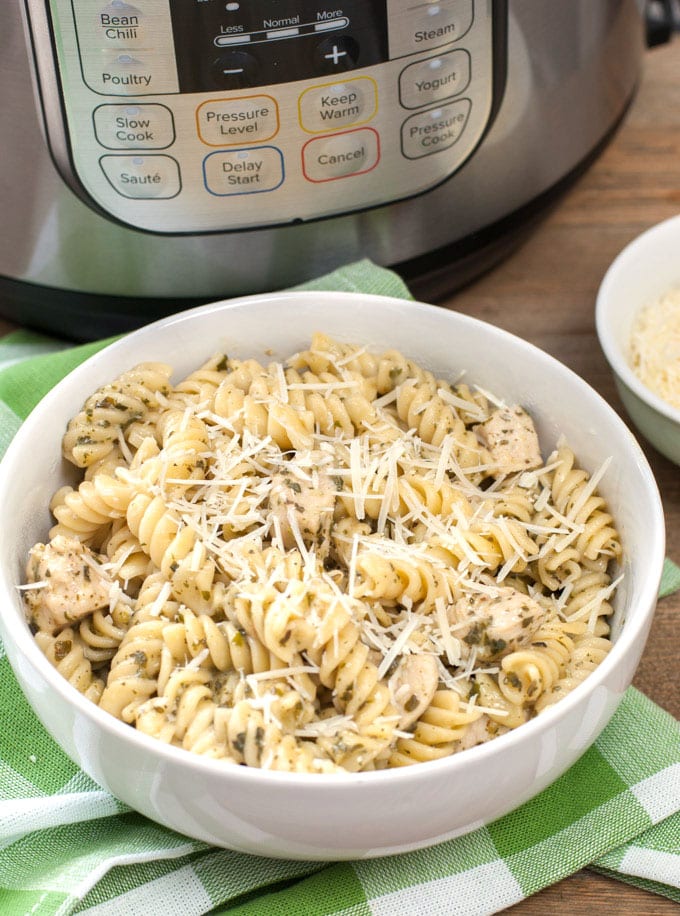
[335,563]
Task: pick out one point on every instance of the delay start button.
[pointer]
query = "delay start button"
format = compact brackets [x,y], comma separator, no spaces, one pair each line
[143,177]
[243,171]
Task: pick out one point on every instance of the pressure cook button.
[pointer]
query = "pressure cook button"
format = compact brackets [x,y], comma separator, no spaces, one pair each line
[434,79]
[134,126]
[428,25]
[433,131]
[235,70]
[335,55]
[142,177]
[353,152]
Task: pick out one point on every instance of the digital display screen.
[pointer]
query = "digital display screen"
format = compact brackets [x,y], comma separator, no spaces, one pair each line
[236,45]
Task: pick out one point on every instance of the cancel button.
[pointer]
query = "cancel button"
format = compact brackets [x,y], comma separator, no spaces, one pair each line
[341,155]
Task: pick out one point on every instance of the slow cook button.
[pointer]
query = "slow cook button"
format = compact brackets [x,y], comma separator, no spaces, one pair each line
[134,126]
[243,171]
[341,155]
[433,131]
[231,122]
[427,25]
[142,177]
[338,105]
[434,79]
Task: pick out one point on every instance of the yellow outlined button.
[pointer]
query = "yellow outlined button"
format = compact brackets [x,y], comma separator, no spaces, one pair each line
[237,121]
[338,105]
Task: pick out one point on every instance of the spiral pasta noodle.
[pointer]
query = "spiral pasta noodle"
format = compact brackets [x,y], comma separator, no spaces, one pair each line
[335,563]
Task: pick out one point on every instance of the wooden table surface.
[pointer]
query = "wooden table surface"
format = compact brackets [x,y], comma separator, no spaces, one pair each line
[545,292]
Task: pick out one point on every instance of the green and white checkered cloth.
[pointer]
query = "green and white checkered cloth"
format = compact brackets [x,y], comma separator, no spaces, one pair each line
[67,847]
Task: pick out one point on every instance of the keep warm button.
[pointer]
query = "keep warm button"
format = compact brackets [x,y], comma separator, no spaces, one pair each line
[342,155]
[142,177]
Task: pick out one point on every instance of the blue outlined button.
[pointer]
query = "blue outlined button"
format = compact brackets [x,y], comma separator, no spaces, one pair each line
[243,171]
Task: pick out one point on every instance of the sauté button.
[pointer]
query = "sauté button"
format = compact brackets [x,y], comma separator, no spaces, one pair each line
[142,177]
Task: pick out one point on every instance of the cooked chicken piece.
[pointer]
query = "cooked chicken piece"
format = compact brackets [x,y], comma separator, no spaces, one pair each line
[479,731]
[73,587]
[495,623]
[304,504]
[510,437]
[412,686]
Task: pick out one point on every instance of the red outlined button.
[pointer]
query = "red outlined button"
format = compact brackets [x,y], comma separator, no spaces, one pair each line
[341,155]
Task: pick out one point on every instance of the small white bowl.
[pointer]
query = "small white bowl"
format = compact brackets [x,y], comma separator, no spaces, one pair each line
[354,815]
[646,269]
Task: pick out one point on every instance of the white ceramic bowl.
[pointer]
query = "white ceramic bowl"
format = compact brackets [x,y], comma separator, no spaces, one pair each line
[348,815]
[646,269]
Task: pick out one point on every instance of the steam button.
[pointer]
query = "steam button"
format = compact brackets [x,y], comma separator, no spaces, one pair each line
[142,177]
[429,25]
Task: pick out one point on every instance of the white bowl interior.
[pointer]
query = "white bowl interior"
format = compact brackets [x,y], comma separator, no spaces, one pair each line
[646,269]
[271,328]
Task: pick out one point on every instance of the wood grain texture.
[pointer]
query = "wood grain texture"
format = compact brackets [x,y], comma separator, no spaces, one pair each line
[545,292]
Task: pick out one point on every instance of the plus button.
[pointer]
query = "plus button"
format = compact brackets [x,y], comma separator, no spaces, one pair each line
[336,55]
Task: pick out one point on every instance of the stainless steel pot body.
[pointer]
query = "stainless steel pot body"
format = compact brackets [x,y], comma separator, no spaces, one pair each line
[571,69]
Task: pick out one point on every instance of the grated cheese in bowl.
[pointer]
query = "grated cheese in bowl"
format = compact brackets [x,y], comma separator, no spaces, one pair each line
[655,347]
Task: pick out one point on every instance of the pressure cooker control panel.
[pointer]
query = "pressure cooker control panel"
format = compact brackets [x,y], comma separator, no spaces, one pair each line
[185,116]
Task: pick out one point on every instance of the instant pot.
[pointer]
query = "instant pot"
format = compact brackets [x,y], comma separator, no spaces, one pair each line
[158,153]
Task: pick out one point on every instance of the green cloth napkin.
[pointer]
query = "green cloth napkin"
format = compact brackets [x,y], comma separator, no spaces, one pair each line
[66,846]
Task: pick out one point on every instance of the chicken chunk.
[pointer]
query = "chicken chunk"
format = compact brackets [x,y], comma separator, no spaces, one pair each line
[303,504]
[70,586]
[495,623]
[478,732]
[412,687]
[511,440]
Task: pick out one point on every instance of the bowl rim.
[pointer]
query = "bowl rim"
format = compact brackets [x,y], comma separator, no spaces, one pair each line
[604,309]
[25,645]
